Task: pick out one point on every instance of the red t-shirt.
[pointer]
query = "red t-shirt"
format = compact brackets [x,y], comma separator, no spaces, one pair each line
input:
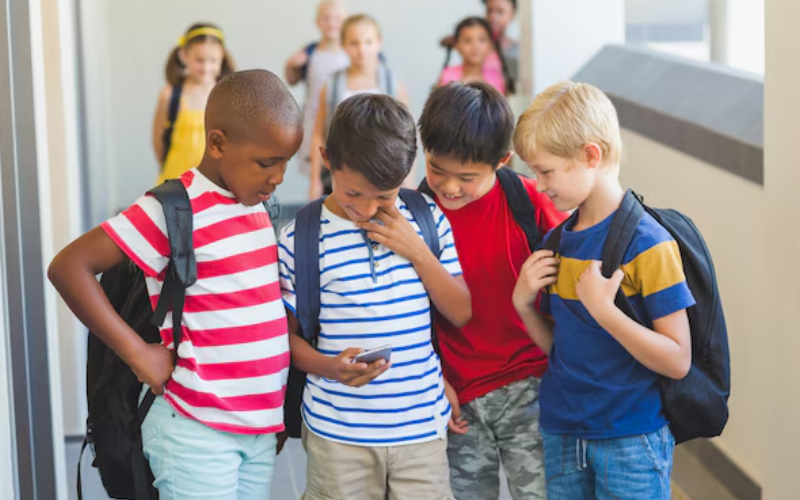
[493,349]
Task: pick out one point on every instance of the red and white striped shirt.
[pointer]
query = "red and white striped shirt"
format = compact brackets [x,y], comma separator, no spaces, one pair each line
[234,352]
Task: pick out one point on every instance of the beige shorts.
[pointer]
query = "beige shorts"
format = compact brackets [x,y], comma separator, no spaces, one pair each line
[343,472]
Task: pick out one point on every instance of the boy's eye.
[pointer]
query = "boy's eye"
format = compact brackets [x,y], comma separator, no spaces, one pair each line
[352,195]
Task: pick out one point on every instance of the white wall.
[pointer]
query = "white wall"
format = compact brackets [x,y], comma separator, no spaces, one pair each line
[754,235]
[127,44]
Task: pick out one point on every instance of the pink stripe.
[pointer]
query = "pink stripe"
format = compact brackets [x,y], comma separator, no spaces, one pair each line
[210,199]
[237,370]
[149,271]
[238,263]
[232,300]
[233,429]
[237,335]
[254,402]
[188,178]
[231,227]
[148,229]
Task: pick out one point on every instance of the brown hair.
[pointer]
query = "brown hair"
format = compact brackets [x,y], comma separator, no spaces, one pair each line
[358,19]
[175,68]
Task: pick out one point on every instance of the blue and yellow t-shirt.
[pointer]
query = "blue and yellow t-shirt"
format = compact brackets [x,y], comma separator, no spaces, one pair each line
[594,388]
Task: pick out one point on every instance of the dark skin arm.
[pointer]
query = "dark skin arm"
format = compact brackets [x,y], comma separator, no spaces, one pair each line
[73,273]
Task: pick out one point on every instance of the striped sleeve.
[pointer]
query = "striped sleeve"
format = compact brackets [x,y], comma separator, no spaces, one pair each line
[141,233]
[286,259]
[449,256]
[656,273]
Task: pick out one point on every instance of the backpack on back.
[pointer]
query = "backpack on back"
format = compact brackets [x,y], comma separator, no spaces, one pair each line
[697,405]
[518,201]
[307,286]
[113,391]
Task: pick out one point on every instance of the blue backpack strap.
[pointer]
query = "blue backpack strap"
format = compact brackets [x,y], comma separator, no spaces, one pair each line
[182,267]
[620,236]
[421,211]
[306,268]
[386,81]
[309,50]
[521,206]
[172,115]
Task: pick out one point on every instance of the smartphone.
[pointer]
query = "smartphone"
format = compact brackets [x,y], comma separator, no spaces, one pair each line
[374,355]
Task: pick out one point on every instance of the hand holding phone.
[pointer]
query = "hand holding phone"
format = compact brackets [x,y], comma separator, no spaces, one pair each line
[373,355]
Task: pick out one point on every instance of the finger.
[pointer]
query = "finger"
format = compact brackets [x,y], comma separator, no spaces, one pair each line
[371,227]
[536,257]
[350,353]
[389,213]
[546,262]
[371,375]
[617,278]
[378,238]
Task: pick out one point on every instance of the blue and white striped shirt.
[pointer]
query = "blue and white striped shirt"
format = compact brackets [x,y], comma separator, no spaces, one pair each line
[367,306]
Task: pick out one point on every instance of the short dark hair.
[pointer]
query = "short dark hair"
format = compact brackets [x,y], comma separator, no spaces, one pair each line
[249,97]
[468,122]
[375,136]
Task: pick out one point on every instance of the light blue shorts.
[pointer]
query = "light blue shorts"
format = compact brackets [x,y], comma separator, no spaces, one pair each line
[191,461]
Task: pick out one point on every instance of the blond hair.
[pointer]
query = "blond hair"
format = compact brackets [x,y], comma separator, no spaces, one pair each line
[358,19]
[564,118]
[324,5]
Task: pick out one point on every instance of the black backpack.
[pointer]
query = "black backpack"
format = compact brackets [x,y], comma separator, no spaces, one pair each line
[307,285]
[696,406]
[518,201]
[172,115]
[112,390]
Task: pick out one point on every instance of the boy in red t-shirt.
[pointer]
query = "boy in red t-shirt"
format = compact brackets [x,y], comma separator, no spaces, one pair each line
[491,362]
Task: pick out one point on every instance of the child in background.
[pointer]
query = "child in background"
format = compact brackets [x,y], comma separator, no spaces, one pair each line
[473,40]
[314,64]
[210,433]
[198,62]
[361,39]
[500,14]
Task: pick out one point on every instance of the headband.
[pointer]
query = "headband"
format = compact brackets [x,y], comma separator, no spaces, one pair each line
[188,37]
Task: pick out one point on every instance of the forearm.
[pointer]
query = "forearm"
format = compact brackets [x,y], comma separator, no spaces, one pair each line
[292,73]
[308,359]
[77,284]
[657,352]
[539,328]
[449,294]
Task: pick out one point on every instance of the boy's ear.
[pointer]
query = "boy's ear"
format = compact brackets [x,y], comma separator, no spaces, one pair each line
[325,160]
[506,159]
[592,155]
[217,140]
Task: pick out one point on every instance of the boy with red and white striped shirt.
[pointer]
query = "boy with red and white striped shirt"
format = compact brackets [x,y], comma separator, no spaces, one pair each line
[212,434]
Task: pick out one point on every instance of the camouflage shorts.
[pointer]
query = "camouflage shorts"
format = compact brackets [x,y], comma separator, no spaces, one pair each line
[503,428]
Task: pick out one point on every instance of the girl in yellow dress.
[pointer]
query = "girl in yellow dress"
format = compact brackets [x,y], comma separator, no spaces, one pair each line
[198,62]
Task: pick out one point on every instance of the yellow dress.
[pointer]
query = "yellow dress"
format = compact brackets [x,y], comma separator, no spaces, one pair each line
[188,144]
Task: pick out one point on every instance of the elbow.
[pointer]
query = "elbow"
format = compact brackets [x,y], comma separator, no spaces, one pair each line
[55,271]
[680,369]
[464,315]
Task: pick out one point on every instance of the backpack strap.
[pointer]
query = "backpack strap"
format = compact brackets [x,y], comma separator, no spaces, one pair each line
[182,267]
[421,211]
[620,236]
[306,268]
[309,50]
[337,86]
[519,201]
[386,81]
[172,115]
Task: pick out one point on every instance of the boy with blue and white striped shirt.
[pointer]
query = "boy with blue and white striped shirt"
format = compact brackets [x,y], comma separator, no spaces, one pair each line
[375,430]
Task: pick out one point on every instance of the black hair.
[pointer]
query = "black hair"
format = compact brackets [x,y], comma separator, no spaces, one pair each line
[375,136]
[471,123]
[244,99]
[471,22]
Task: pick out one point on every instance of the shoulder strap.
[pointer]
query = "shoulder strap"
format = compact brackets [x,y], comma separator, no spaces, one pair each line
[620,235]
[172,115]
[521,205]
[424,188]
[306,268]
[421,211]
[309,50]
[386,82]
[337,86]
[182,267]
